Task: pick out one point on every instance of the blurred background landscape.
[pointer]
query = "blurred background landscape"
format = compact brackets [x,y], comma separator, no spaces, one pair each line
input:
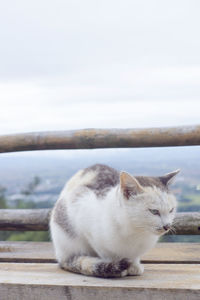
[34,180]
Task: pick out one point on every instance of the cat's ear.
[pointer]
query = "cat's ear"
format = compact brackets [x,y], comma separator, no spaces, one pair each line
[168,178]
[129,185]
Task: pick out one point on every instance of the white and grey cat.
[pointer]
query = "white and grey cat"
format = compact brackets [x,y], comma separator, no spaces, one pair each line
[104,221]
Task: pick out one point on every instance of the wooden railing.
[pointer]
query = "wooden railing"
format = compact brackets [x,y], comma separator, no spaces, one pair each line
[102,138]
[37,219]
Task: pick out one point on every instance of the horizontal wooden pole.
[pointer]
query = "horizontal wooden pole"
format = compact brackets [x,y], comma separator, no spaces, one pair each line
[187,223]
[24,219]
[102,138]
[38,219]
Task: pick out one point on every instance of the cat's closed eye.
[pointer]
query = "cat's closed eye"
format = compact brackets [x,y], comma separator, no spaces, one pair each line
[171,210]
[155,212]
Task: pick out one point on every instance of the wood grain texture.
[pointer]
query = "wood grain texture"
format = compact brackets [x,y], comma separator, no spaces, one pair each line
[101,138]
[27,252]
[43,252]
[187,223]
[24,219]
[38,219]
[47,281]
[174,253]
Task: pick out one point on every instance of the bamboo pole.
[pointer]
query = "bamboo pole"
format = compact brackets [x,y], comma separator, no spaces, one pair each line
[101,138]
[38,219]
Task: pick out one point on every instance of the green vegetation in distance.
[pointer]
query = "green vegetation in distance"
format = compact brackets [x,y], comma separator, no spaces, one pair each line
[37,236]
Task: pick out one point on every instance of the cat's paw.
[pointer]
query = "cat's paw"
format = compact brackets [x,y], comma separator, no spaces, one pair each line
[136,269]
[124,265]
[113,269]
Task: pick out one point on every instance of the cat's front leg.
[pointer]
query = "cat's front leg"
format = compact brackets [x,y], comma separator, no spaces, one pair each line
[136,268]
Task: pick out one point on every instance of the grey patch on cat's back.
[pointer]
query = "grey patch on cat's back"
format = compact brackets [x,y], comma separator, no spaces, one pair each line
[62,219]
[147,181]
[106,178]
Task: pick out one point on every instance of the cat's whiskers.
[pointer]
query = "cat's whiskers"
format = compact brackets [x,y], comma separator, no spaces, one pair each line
[174,222]
[172,230]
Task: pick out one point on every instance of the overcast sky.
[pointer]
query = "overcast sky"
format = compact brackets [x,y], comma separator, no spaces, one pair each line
[70,64]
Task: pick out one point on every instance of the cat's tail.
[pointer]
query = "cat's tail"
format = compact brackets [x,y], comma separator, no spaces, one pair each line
[95,266]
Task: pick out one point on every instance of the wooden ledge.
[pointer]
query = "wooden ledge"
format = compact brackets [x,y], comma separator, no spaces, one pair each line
[172,272]
[48,282]
[42,252]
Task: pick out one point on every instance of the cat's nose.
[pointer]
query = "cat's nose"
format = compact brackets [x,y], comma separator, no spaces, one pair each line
[166,227]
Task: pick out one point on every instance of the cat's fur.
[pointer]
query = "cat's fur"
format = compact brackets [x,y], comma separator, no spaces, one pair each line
[103,221]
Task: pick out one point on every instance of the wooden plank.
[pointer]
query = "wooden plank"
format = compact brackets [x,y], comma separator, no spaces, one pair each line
[38,219]
[48,282]
[174,253]
[43,252]
[102,138]
[26,252]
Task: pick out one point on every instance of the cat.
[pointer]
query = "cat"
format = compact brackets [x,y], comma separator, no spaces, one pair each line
[104,221]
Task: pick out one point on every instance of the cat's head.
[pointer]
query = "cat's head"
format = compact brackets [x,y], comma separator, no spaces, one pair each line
[149,204]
